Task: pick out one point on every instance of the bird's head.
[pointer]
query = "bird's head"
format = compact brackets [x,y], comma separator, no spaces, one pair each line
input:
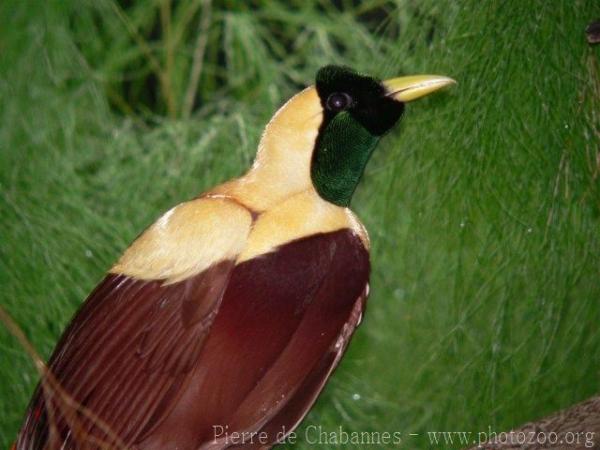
[324,136]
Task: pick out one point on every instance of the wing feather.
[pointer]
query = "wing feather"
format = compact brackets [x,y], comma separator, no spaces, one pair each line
[131,347]
[248,346]
[284,322]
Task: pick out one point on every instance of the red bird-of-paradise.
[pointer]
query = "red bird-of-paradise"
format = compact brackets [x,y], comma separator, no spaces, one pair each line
[231,311]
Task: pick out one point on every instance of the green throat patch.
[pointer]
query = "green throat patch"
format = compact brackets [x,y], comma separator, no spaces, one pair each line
[357,112]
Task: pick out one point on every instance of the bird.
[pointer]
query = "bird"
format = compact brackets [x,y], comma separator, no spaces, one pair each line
[219,326]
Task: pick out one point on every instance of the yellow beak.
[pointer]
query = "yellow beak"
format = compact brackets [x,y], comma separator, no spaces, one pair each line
[406,89]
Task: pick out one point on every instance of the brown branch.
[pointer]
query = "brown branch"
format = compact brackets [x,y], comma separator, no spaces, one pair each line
[167,80]
[575,428]
[196,70]
[53,392]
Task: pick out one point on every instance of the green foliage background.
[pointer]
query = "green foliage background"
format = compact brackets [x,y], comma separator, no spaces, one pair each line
[483,206]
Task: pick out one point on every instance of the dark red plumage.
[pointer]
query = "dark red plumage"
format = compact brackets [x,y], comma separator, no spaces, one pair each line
[246,346]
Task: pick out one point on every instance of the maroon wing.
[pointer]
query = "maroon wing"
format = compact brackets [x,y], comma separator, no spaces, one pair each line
[172,366]
[283,324]
[125,357]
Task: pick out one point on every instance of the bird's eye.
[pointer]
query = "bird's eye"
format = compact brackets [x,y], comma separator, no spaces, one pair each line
[338,101]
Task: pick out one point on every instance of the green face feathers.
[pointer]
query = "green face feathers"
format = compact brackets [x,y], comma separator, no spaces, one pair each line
[357,113]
